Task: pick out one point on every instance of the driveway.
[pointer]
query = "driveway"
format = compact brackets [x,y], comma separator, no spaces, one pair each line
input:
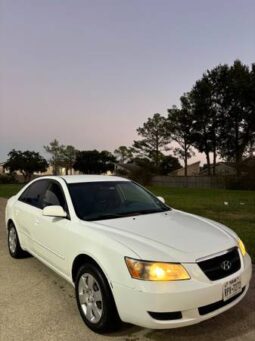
[36,304]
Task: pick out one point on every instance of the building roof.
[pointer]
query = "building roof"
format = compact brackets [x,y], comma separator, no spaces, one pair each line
[182,169]
[224,165]
[131,166]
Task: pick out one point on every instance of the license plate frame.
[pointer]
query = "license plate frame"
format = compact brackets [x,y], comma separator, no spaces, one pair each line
[231,288]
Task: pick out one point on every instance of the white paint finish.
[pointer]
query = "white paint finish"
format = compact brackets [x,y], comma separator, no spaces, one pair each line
[181,237]
[71,179]
[54,211]
[170,236]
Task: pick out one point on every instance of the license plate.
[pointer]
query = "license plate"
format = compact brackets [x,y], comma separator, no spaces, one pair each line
[232,288]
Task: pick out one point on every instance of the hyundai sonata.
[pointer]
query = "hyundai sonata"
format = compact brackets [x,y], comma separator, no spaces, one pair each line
[129,256]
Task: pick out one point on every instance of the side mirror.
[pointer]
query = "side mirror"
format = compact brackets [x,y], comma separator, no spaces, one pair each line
[54,211]
[161,199]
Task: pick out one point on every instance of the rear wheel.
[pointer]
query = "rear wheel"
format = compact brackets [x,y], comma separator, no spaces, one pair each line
[14,244]
[95,300]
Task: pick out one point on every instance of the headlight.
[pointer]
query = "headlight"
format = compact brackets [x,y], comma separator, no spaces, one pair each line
[155,271]
[242,247]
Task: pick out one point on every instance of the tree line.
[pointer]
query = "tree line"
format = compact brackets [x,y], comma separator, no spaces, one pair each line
[216,117]
[62,156]
[69,158]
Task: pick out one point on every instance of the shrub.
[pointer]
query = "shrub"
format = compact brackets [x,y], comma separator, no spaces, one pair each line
[245,182]
[142,176]
[7,179]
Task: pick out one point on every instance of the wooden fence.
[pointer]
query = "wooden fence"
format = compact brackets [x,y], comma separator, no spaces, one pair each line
[190,181]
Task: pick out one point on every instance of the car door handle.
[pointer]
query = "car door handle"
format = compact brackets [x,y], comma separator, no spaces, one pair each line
[37,220]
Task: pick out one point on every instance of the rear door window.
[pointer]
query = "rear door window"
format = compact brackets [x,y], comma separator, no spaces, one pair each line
[34,193]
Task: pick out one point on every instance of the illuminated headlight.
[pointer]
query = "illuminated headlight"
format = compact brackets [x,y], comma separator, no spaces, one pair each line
[242,247]
[156,271]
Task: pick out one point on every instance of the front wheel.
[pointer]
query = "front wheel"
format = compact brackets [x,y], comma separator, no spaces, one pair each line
[94,299]
[14,244]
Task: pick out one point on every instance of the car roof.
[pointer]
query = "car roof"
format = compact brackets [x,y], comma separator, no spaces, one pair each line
[72,179]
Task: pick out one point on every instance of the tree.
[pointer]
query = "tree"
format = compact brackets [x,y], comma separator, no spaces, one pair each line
[68,157]
[94,162]
[180,123]
[205,119]
[155,138]
[124,154]
[234,96]
[27,162]
[168,164]
[223,105]
[56,150]
[62,156]
[252,102]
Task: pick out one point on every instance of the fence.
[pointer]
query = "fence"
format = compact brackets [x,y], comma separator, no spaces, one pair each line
[190,181]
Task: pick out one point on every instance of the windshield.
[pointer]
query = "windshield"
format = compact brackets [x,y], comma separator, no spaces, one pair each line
[112,199]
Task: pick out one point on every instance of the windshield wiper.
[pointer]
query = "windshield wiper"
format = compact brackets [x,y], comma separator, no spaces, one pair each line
[148,211]
[103,216]
[122,214]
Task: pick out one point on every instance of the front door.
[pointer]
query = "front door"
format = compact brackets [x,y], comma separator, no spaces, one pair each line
[51,233]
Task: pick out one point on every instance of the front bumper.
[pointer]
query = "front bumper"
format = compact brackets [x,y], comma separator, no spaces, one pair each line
[134,304]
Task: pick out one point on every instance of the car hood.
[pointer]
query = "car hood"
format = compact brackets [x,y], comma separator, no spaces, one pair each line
[170,236]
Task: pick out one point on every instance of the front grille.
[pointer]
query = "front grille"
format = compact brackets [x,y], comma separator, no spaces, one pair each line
[217,305]
[175,315]
[214,267]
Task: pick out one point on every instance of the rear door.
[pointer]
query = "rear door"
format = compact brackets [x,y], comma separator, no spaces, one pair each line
[28,210]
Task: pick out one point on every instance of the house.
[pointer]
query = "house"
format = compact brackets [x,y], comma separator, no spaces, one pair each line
[49,171]
[61,171]
[125,168]
[247,166]
[221,168]
[249,161]
[2,170]
[192,170]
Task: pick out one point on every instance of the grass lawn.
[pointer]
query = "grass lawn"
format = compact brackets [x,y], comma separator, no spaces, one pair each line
[6,191]
[238,214]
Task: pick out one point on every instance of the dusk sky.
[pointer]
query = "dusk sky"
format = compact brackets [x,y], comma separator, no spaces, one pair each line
[90,72]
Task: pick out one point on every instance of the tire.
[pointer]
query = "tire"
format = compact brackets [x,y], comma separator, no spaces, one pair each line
[14,244]
[95,300]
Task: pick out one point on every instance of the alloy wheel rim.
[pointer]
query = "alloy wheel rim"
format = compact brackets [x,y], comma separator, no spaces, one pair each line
[12,239]
[90,298]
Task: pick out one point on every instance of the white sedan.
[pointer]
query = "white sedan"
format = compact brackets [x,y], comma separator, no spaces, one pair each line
[129,256]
